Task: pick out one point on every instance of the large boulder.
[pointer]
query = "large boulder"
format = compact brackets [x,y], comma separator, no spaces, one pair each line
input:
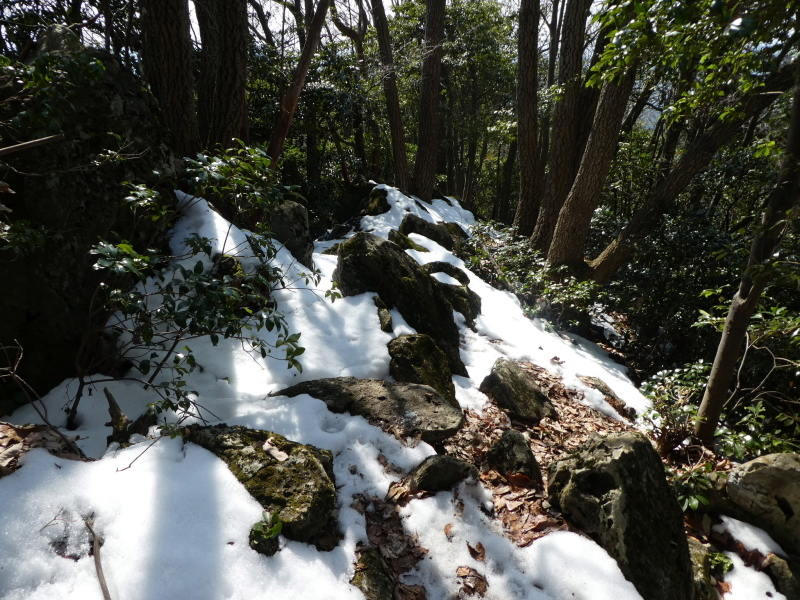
[289,224]
[413,224]
[417,359]
[767,490]
[73,190]
[462,299]
[400,408]
[516,391]
[368,263]
[615,489]
[292,479]
[376,203]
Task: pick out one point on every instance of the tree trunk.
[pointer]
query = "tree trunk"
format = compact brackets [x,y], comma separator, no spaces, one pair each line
[783,199]
[695,159]
[221,90]
[505,188]
[636,110]
[555,33]
[572,228]
[289,101]
[428,136]
[559,179]
[167,61]
[392,97]
[527,119]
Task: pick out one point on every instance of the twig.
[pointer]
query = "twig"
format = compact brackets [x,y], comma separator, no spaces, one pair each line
[31,144]
[140,454]
[97,564]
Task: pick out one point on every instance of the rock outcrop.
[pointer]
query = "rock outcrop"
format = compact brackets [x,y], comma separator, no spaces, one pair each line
[368,263]
[293,480]
[516,391]
[404,409]
[615,489]
[461,298]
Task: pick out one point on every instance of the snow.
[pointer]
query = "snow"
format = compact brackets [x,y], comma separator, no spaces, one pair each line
[751,537]
[175,522]
[749,584]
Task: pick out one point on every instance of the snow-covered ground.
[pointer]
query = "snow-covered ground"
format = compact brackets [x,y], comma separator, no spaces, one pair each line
[176,522]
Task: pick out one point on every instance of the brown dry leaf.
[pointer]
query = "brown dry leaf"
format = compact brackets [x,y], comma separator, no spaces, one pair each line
[520,480]
[410,592]
[478,552]
[723,587]
[398,492]
[271,449]
[474,582]
[448,531]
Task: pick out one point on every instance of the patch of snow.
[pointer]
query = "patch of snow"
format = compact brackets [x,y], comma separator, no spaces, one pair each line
[751,537]
[748,584]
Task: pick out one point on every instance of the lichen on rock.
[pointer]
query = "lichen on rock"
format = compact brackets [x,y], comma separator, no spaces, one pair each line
[417,359]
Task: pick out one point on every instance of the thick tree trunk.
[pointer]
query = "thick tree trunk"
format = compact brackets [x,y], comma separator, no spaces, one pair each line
[392,97]
[572,228]
[505,188]
[221,91]
[289,101]
[555,33]
[783,199]
[167,61]
[559,180]
[527,119]
[428,135]
[694,160]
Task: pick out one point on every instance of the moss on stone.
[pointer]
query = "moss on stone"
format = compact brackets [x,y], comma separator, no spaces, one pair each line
[417,359]
[405,242]
[375,204]
[515,390]
[371,578]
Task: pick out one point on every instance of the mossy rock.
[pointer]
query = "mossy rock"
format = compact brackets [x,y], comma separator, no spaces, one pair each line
[699,554]
[368,263]
[413,224]
[371,577]
[456,232]
[385,319]
[404,409]
[333,250]
[786,575]
[375,204]
[438,473]
[292,479]
[405,242]
[516,391]
[417,359]
[462,299]
[615,490]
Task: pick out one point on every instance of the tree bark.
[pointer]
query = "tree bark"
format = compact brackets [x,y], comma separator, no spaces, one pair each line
[290,99]
[223,55]
[574,219]
[167,62]
[555,33]
[505,188]
[527,118]
[784,198]
[396,129]
[428,135]
[565,114]
[694,160]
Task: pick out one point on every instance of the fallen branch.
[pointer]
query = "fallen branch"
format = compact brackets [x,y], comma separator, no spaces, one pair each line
[97,564]
[31,144]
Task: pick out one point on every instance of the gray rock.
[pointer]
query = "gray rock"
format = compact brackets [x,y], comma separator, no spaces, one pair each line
[456,232]
[438,473]
[462,299]
[292,479]
[615,490]
[512,454]
[406,409]
[417,359]
[785,574]
[437,233]
[289,224]
[368,263]
[371,577]
[611,397]
[516,391]
[767,489]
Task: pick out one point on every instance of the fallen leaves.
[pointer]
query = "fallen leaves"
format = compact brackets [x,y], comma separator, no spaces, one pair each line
[272,450]
[478,552]
[16,441]
[472,581]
